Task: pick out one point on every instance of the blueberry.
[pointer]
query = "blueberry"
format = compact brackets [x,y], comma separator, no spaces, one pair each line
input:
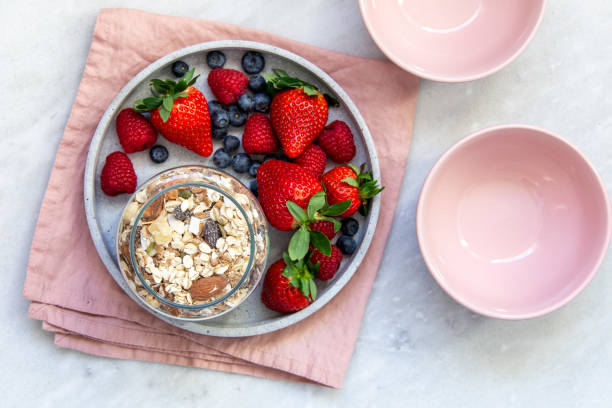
[231,144]
[219,118]
[246,103]
[241,162]
[346,244]
[215,59]
[236,116]
[252,62]
[253,169]
[284,158]
[159,154]
[350,226]
[253,187]
[213,106]
[219,133]
[257,83]
[221,158]
[262,102]
[179,68]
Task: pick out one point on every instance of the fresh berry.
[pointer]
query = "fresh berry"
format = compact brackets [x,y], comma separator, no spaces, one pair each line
[346,244]
[258,136]
[219,133]
[257,83]
[118,175]
[313,160]
[231,144]
[179,68]
[325,227]
[253,169]
[180,113]
[236,116]
[227,84]
[285,158]
[280,182]
[253,187]
[241,163]
[219,118]
[213,106]
[350,226]
[338,142]
[252,62]
[215,59]
[348,183]
[262,102]
[159,154]
[246,103]
[298,113]
[134,131]
[221,158]
[281,287]
[328,265]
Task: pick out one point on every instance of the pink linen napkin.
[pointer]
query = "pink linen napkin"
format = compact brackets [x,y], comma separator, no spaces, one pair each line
[75,297]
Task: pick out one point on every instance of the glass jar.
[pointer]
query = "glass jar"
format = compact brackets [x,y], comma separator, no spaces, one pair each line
[192,243]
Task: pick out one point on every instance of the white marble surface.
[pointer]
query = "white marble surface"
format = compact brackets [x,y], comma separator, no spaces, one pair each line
[417,347]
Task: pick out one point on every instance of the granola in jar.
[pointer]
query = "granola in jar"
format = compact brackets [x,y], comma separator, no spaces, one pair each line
[193,244]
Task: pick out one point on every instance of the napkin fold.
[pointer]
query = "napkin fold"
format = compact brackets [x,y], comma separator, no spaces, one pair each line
[75,297]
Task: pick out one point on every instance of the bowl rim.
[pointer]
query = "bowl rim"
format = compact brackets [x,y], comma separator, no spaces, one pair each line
[430,180]
[413,69]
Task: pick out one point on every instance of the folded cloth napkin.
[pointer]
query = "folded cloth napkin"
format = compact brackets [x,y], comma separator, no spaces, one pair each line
[76,298]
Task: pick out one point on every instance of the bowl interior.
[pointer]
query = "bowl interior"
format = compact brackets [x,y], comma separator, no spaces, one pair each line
[450,40]
[513,222]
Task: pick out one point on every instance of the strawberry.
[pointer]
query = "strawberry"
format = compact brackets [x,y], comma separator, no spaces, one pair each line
[348,183]
[298,112]
[118,175]
[278,182]
[134,131]
[338,142]
[288,286]
[180,113]
[227,84]
[313,160]
[325,227]
[258,136]
[327,265]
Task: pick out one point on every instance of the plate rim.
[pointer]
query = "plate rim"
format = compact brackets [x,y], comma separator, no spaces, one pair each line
[89,180]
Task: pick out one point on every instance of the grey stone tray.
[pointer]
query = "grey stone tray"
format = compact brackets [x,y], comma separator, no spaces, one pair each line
[103,212]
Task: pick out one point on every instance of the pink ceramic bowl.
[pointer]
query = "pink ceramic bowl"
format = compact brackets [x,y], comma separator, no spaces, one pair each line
[452,40]
[513,222]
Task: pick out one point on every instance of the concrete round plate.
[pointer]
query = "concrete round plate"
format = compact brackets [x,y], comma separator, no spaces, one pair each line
[103,212]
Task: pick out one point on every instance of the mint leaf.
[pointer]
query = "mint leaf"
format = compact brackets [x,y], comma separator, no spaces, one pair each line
[337,209]
[298,245]
[316,202]
[297,212]
[321,242]
[305,286]
[313,289]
